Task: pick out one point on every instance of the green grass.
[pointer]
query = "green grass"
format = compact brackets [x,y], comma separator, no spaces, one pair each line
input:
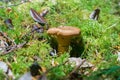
[99,37]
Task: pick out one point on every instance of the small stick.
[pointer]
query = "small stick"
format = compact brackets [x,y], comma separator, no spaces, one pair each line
[114,25]
[14,4]
[7,38]
[76,68]
[15,47]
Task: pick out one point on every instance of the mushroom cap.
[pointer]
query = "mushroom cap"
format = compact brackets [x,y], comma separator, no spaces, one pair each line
[64,31]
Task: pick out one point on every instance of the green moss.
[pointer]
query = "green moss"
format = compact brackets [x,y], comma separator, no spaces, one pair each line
[101,36]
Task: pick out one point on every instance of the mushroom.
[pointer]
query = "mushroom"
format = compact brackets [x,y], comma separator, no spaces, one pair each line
[63,35]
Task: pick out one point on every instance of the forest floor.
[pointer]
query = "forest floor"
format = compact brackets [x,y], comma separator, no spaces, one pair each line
[101,37]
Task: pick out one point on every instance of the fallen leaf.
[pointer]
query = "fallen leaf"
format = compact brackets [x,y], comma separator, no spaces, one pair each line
[53,52]
[38,29]
[76,61]
[37,17]
[43,77]
[6,69]
[95,14]
[44,12]
[9,23]
[26,76]
[3,46]
[34,73]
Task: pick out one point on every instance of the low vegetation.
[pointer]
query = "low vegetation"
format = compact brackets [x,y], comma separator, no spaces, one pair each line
[101,37]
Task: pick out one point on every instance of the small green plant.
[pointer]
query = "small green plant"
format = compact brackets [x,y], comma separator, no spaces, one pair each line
[2,75]
[111,73]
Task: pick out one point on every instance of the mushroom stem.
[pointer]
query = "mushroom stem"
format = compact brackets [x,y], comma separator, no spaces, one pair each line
[63,44]
[63,35]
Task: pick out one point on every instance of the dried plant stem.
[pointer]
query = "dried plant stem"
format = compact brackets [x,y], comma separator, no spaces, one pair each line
[75,69]
[7,38]
[14,4]
[13,48]
[113,25]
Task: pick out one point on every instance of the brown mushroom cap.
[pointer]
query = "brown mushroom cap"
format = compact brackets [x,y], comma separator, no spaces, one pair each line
[64,31]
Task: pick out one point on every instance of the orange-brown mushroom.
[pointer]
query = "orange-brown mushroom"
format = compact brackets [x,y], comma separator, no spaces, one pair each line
[63,35]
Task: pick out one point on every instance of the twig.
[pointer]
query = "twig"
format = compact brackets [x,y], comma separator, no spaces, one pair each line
[13,48]
[76,68]
[7,38]
[113,25]
[14,4]
[44,73]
